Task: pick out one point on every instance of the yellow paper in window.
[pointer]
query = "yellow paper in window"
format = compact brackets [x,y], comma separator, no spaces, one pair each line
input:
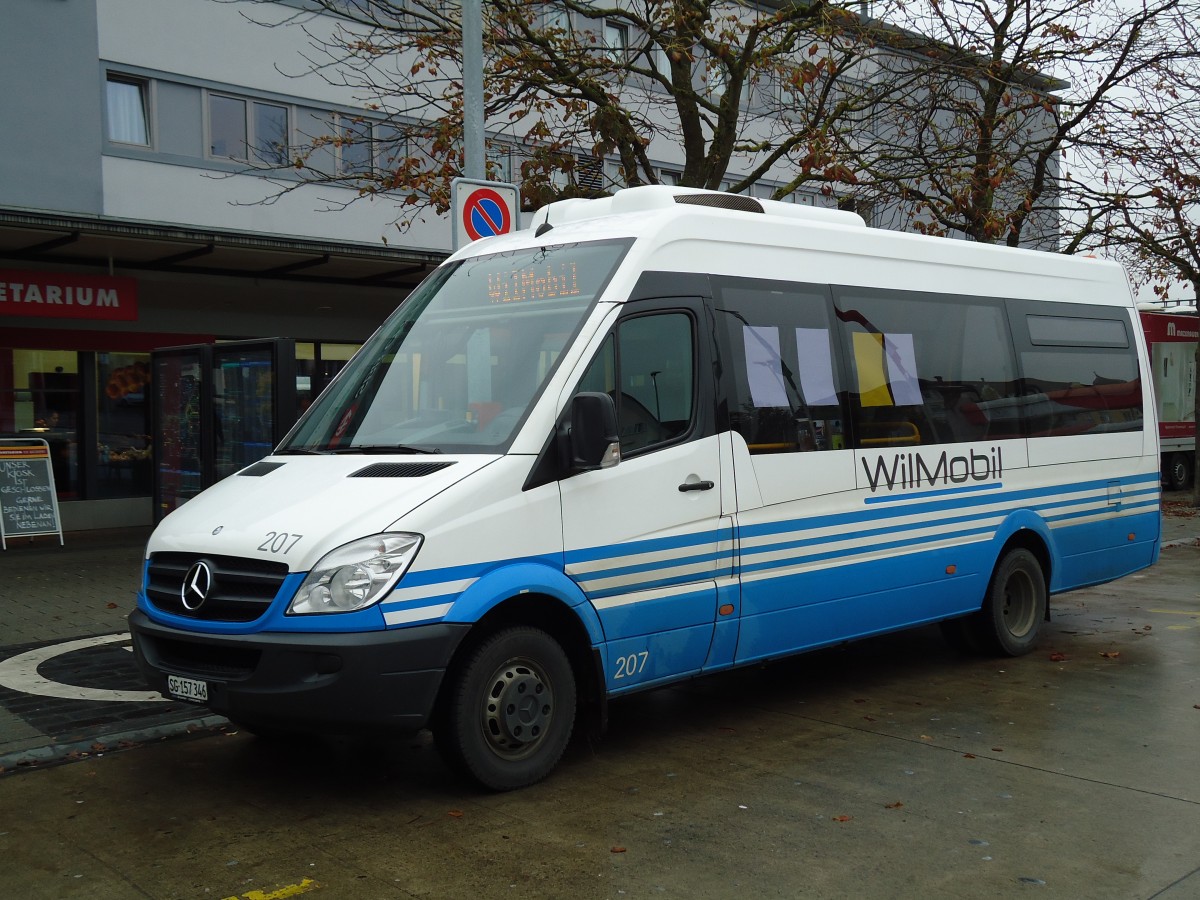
[868,363]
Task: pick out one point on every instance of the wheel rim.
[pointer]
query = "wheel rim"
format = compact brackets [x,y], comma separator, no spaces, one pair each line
[517,709]
[1020,604]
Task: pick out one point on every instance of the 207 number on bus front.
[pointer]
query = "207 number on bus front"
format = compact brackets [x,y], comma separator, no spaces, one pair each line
[279,542]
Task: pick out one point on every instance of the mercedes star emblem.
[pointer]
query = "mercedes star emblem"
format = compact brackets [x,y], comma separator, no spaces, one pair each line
[196,586]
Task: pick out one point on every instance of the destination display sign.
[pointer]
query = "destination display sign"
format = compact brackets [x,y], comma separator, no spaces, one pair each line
[536,275]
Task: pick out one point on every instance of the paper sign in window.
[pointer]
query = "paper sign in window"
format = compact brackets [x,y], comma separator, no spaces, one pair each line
[868,364]
[764,368]
[816,367]
[902,369]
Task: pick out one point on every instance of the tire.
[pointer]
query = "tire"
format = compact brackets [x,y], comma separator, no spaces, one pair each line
[1178,471]
[509,710]
[1014,607]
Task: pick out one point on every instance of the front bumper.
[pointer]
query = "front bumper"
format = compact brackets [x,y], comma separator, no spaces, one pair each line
[379,681]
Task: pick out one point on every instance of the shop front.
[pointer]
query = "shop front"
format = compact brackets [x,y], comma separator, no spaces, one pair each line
[78,366]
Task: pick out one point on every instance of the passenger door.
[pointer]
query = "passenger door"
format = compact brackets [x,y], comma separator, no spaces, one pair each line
[644,539]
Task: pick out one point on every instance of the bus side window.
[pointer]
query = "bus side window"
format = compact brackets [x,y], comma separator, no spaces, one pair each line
[927,368]
[782,385]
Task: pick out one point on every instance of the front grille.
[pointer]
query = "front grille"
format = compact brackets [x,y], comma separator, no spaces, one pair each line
[241,589]
[206,660]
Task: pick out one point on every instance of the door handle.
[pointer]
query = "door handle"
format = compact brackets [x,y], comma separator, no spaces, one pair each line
[696,486]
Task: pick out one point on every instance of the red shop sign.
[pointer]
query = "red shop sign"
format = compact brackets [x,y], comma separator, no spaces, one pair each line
[61,296]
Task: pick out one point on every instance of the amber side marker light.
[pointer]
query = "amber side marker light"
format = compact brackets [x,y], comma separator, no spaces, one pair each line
[726,609]
[950,570]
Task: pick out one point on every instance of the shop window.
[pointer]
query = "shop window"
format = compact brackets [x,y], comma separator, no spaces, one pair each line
[123,441]
[39,398]
[128,122]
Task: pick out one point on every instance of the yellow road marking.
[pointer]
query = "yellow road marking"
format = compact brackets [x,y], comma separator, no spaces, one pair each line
[1189,613]
[283,893]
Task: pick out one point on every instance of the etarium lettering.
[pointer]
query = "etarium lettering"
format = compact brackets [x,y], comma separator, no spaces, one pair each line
[58,295]
[912,471]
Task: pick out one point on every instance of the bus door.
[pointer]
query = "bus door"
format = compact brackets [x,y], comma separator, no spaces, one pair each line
[645,539]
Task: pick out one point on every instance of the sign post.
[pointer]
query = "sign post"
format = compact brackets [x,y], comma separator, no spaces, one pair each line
[28,502]
[480,209]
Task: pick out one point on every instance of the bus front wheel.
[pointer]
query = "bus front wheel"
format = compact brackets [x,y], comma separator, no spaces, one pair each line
[509,710]
[1014,607]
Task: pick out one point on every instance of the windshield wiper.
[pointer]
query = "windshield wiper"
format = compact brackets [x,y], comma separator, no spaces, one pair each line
[301,451]
[381,448]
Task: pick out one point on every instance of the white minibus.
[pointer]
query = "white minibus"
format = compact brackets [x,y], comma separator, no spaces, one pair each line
[656,436]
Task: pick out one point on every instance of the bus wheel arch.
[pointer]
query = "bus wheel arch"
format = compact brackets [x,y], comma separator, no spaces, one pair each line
[1016,601]
[550,649]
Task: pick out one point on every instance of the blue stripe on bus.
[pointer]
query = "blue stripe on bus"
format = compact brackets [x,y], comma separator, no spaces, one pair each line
[1135,493]
[920,495]
[653,565]
[878,548]
[650,545]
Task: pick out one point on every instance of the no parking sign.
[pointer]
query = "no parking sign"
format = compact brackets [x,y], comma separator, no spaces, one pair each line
[482,209]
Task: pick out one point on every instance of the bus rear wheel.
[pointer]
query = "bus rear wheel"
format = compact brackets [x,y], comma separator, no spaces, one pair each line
[1015,606]
[509,710]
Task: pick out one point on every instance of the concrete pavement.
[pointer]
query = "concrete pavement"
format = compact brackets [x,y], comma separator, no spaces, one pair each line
[890,768]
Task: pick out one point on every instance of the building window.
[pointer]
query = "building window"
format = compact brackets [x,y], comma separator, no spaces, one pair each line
[128,122]
[270,133]
[354,147]
[616,41]
[556,19]
[227,127]
[236,127]
[499,162]
[662,63]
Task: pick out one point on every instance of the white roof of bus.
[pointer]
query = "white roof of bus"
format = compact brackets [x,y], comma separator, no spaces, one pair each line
[774,240]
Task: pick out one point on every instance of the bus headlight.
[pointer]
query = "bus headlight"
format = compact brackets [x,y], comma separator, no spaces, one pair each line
[356,575]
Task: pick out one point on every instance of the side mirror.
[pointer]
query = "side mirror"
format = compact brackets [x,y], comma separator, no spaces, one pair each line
[593,442]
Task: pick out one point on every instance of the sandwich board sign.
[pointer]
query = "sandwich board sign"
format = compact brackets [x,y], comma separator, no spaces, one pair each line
[28,502]
[480,209]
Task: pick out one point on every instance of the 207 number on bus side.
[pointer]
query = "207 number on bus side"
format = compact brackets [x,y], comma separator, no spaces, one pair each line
[633,664]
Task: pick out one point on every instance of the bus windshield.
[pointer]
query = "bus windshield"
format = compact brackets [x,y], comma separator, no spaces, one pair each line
[457,367]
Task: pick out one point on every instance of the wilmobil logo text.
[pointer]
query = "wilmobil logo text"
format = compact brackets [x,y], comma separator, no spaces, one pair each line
[916,470]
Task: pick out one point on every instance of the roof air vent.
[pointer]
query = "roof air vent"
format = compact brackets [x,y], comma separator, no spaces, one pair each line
[721,201]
